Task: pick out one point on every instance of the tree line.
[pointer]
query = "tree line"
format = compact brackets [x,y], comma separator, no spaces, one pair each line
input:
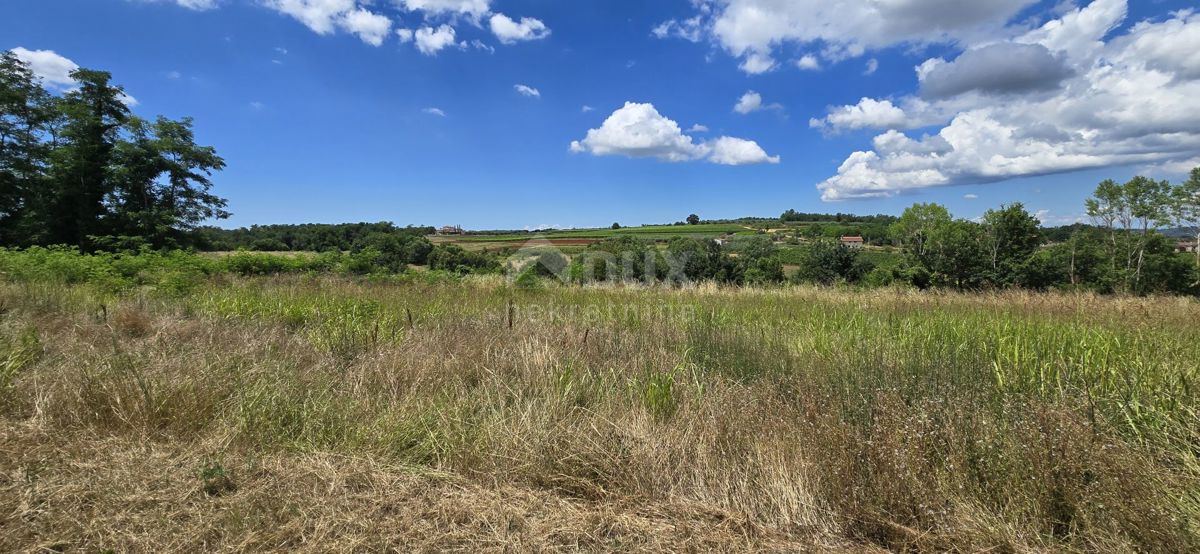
[308,237]
[80,169]
[1122,251]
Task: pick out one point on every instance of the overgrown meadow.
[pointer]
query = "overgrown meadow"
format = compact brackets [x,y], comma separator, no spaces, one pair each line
[173,402]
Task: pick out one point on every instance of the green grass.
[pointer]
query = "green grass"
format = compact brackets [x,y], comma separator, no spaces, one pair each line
[896,419]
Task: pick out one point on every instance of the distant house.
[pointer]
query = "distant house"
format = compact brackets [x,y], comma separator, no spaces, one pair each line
[1188,246]
[451,230]
[853,242]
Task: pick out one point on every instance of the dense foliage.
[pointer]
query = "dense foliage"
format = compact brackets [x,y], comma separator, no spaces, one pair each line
[79,169]
[312,237]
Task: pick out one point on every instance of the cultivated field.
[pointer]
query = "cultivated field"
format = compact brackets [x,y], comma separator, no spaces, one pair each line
[320,413]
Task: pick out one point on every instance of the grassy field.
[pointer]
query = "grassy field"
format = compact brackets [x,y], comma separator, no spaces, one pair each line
[310,413]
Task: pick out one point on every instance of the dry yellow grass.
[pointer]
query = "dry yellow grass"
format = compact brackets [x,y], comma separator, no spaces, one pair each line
[322,414]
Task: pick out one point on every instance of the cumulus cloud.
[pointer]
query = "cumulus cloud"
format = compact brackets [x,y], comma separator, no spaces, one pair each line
[867,114]
[364,19]
[736,151]
[430,41]
[325,17]
[756,64]
[754,30]
[509,31]
[872,67]
[808,62]
[372,28]
[526,90]
[639,131]
[471,8]
[54,70]
[1001,68]
[753,102]
[698,128]
[1122,100]
[749,102]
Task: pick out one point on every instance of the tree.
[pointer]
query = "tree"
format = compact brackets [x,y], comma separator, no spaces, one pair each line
[1150,206]
[25,110]
[616,226]
[955,252]
[693,219]
[1186,207]
[81,168]
[1107,207]
[161,187]
[699,259]
[916,225]
[1012,236]
[1130,211]
[828,261]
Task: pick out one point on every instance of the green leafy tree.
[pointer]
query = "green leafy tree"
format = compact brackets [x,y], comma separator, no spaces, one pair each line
[161,182]
[1012,236]
[1130,212]
[828,262]
[693,219]
[82,166]
[917,225]
[26,109]
[699,259]
[1186,207]
[956,254]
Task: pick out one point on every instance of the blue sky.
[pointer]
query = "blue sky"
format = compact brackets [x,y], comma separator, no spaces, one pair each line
[325,109]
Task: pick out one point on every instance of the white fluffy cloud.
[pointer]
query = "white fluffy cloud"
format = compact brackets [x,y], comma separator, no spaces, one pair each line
[367,20]
[509,31]
[325,17]
[639,131]
[54,70]
[749,102]
[1127,100]
[434,111]
[808,62]
[753,102]
[472,8]
[754,30]
[736,151]
[430,41]
[868,113]
[372,28]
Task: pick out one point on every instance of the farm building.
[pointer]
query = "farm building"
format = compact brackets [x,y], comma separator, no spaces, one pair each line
[451,230]
[1188,246]
[853,242]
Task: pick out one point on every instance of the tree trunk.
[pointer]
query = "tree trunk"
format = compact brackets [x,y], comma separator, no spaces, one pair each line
[1074,282]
